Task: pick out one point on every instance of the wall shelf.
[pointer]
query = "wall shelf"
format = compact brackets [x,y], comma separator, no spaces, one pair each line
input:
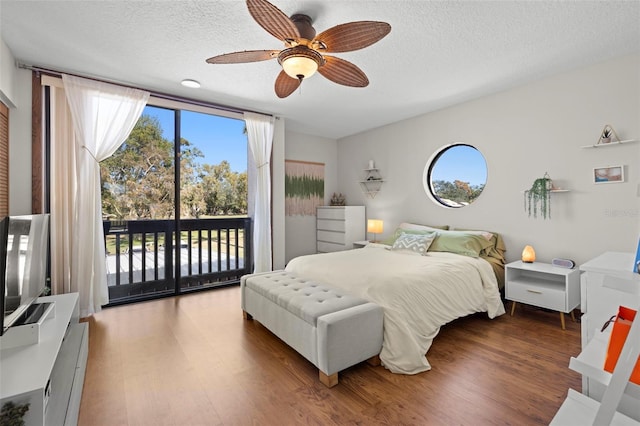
[600,145]
[372,182]
[553,191]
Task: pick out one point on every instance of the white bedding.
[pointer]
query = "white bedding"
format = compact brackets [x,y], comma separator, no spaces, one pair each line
[419,294]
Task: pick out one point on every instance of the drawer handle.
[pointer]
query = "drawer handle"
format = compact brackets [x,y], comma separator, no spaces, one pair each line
[534,291]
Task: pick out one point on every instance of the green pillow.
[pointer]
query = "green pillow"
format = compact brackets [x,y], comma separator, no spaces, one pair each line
[460,243]
[412,228]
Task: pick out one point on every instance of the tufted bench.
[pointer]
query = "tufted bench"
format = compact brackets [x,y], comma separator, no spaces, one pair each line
[331,329]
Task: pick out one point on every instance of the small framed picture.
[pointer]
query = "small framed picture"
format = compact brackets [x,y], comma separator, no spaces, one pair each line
[609,174]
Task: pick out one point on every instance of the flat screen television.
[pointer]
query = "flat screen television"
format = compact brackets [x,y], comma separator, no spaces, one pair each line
[24,251]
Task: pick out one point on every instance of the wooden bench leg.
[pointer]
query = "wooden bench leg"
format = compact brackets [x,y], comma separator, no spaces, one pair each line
[513,307]
[246,315]
[328,381]
[374,361]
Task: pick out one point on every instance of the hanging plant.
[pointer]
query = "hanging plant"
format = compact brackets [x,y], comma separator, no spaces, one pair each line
[539,197]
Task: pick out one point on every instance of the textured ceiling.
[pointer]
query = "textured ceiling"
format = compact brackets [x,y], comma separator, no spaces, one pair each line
[438,53]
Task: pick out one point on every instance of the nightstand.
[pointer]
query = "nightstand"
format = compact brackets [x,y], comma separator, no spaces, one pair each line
[360,244]
[543,285]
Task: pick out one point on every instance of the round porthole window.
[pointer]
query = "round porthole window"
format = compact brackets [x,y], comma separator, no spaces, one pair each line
[455,175]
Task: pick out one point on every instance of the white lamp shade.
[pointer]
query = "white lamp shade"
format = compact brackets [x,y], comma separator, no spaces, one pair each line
[375,226]
[295,66]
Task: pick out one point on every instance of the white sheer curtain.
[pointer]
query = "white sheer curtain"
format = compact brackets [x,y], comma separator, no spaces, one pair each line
[260,135]
[103,116]
[63,190]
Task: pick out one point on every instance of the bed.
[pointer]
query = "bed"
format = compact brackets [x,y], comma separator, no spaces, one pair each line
[422,277]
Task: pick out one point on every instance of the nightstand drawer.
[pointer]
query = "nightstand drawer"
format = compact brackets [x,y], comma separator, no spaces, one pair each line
[544,296]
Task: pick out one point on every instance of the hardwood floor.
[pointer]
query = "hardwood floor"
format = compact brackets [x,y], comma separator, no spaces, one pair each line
[193,360]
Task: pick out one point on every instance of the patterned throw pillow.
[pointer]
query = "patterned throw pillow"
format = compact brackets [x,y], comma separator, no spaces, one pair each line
[413,243]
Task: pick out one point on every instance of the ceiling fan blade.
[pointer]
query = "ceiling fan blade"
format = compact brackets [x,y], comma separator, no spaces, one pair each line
[286,85]
[343,72]
[351,36]
[242,57]
[273,20]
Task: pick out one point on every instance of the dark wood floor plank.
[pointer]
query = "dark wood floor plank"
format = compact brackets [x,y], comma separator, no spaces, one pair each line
[193,360]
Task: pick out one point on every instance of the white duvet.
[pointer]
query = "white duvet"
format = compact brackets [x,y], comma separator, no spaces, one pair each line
[419,294]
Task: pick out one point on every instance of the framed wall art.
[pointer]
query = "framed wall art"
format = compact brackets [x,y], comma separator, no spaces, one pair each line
[608,174]
[303,187]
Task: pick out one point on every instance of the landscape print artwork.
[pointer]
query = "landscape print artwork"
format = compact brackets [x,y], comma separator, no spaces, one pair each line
[303,187]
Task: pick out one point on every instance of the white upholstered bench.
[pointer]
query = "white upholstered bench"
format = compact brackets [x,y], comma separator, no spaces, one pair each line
[331,329]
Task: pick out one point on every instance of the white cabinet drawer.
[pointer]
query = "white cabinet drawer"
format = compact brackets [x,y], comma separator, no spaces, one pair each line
[331,225]
[544,296]
[331,237]
[325,247]
[330,213]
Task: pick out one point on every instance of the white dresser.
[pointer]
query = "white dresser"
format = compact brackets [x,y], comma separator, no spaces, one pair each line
[338,227]
[607,282]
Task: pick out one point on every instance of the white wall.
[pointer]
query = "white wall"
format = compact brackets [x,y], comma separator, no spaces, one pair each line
[301,230]
[522,133]
[15,91]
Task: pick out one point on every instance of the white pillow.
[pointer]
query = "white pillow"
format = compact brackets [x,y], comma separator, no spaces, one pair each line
[413,243]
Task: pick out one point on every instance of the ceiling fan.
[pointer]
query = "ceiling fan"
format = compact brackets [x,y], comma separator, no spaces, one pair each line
[304,52]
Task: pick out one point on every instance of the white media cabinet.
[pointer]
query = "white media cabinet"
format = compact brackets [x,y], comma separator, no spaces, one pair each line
[48,374]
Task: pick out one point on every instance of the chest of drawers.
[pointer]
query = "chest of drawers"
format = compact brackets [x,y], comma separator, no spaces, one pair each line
[338,227]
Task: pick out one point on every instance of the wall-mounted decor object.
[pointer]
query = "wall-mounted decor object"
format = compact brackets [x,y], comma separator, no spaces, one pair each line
[608,137]
[538,197]
[372,181]
[609,174]
[303,187]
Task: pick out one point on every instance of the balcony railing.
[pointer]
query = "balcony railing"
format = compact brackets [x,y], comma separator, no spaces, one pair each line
[141,255]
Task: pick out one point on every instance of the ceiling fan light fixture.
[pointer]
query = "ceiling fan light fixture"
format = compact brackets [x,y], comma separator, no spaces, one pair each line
[300,62]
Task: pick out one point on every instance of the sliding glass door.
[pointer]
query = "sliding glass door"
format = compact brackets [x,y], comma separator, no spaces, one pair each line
[174,200]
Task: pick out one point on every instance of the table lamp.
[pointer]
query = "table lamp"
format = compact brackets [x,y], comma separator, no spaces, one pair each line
[528,255]
[374,226]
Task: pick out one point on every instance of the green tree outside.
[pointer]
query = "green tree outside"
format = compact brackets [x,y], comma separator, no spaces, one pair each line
[138,180]
[457,191]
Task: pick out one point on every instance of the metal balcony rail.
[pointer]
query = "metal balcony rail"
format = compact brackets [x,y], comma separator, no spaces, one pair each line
[142,254]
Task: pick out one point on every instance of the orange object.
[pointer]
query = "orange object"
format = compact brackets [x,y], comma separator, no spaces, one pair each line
[621,327]
[528,255]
